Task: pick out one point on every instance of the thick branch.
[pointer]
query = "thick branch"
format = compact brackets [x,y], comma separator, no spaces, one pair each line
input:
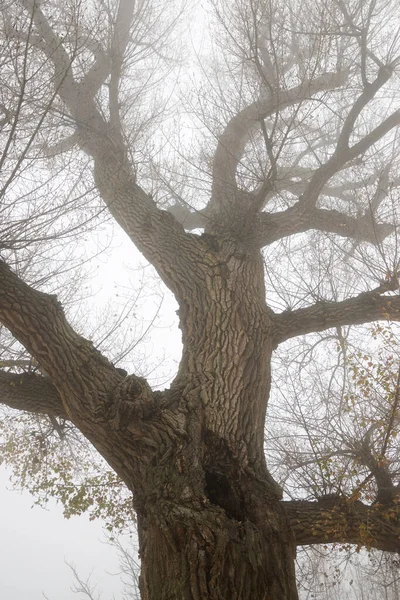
[274,226]
[103,64]
[100,401]
[294,180]
[362,229]
[347,522]
[367,95]
[72,363]
[31,392]
[157,234]
[364,308]
[50,43]
[237,133]
[386,490]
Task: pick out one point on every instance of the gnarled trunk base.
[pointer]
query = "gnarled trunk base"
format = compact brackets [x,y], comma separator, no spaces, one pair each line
[205,555]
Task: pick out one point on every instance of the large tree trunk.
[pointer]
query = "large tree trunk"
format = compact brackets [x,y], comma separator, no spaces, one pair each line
[210,521]
[207,552]
[211,524]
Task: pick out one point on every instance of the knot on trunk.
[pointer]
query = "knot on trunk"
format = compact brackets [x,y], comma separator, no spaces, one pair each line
[132,400]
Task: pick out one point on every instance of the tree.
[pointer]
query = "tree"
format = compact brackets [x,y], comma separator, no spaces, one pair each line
[351,578]
[301,104]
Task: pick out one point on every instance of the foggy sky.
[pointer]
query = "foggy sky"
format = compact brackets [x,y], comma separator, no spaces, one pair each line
[35,544]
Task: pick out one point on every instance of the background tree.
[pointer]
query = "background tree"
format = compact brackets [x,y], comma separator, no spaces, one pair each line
[129,570]
[288,230]
[352,578]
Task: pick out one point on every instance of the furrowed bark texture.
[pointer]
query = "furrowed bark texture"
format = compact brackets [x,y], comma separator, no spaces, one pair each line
[210,521]
[210,517]
[346,521]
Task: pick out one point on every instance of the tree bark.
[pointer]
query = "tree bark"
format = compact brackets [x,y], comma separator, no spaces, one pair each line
[211,524]
[210,517]
[346,521]
[205,554]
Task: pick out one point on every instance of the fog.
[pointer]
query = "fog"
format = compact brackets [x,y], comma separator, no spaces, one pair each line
[37,542]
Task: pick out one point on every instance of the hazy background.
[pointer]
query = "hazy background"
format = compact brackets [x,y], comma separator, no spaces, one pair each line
[35,543]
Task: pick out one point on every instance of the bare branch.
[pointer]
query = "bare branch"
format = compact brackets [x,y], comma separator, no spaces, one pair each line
[343,156]
[31,392]
[274,226]
[367,95]
[103,65]
[238,131]
[386,490]
[364,308]
[62,146]
[52,46]
[136,212]
[37,320]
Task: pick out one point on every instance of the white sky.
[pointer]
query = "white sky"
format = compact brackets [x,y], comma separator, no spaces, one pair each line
[35,543]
